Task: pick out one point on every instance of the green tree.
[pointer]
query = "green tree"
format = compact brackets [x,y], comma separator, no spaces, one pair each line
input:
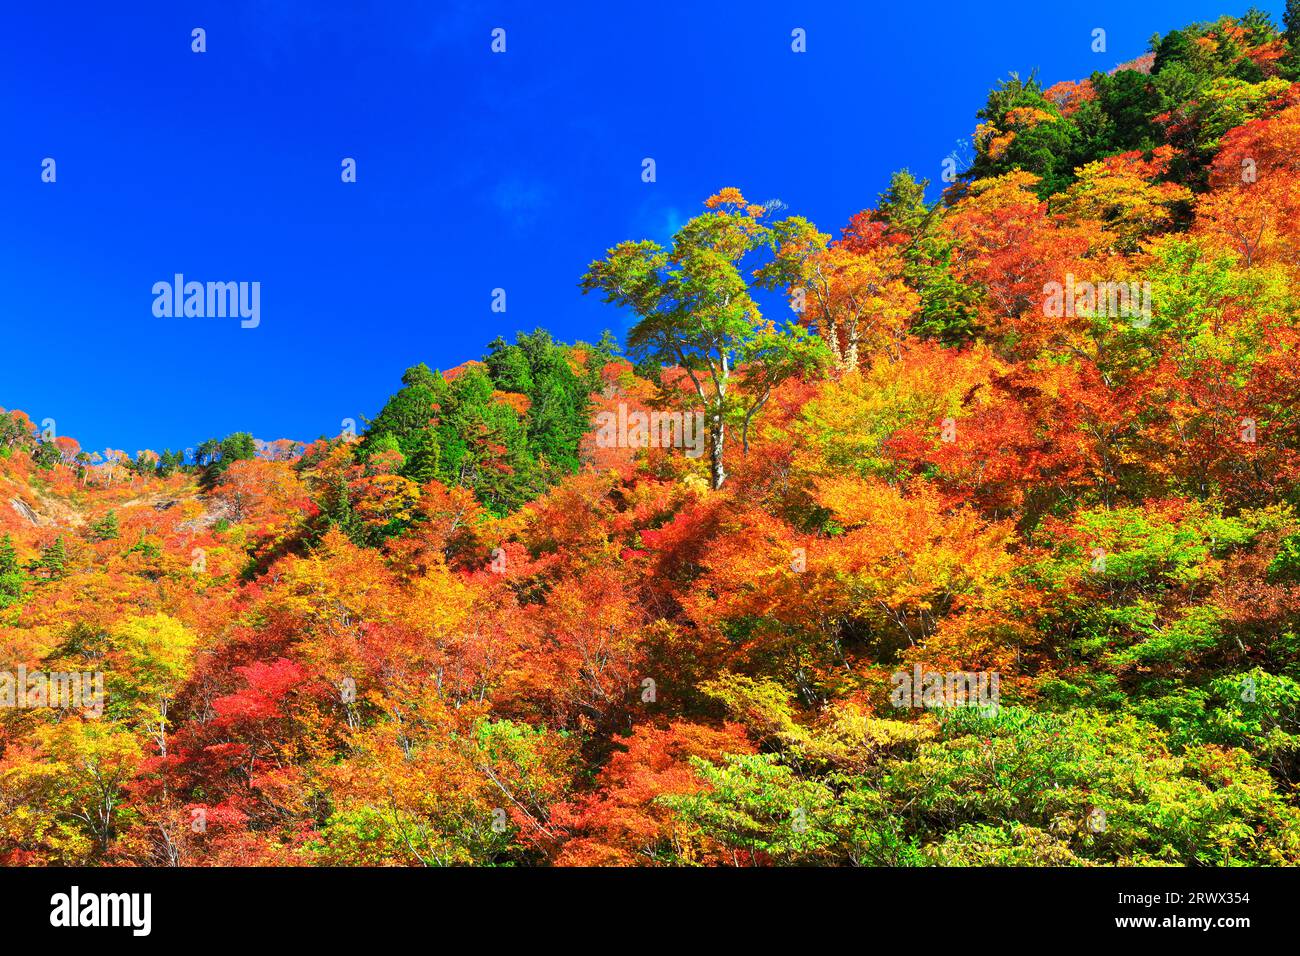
[238,446]
[948,308]
[1259,26]
[104,529]
[606,347]
[1291,33]
[170,462]
[206,453]
[54,559]
[15,433]
[1042,141]
[461,432]
[12,578]
[385,448]
[559,400]
[762,810]
[483,445]
[697,312]
[47,455]
[409,417]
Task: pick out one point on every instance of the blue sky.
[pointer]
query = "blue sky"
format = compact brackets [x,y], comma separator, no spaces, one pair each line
[475,171]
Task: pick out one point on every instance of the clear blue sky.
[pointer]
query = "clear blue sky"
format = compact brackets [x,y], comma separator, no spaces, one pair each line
[475,171]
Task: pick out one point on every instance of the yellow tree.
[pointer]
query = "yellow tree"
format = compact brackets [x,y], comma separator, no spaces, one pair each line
[157,654]
[69,787]
[856,299]
[1119,192]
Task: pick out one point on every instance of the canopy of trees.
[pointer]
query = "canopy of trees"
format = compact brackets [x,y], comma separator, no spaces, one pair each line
[1044,428]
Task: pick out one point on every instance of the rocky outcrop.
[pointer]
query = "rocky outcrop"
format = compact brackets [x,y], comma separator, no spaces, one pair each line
[24,509]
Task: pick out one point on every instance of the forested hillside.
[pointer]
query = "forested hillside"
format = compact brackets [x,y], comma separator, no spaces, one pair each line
[979,547]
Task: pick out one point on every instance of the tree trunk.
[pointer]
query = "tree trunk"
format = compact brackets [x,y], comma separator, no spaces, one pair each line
[717,438]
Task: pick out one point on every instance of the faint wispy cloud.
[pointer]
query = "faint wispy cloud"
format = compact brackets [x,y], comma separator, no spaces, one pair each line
[521,201]
[656,222]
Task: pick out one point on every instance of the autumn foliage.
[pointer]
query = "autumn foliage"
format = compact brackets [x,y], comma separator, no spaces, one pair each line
[1045,429]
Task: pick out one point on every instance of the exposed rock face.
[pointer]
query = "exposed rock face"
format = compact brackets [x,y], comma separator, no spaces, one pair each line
[24,509]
